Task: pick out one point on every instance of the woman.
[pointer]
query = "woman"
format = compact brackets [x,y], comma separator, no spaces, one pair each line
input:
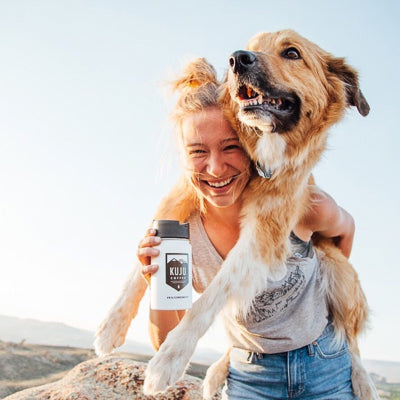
[284,346]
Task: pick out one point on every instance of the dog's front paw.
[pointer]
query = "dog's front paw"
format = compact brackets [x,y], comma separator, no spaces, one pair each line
[111,333]
[165,368]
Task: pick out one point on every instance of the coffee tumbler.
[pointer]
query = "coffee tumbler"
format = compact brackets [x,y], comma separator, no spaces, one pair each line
[171,285]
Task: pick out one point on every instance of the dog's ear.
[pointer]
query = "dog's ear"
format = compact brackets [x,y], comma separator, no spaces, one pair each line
[349,77]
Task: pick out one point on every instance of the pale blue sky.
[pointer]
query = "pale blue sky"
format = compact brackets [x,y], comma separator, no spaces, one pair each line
[83,131]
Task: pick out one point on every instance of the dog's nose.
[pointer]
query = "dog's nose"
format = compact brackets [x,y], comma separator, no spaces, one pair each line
[241,60]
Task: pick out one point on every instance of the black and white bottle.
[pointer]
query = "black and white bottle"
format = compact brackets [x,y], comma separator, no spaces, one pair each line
[171,285]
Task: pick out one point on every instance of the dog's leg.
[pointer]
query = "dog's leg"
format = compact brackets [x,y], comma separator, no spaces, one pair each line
[363,386]
[342,288]
[178,204]
[349,309]
[216,375]
[231,284]
[112,331]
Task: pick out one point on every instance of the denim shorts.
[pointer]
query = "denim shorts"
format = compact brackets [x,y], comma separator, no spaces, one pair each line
[319,371]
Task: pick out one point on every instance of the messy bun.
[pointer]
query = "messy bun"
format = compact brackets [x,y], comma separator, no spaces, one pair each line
[197,88]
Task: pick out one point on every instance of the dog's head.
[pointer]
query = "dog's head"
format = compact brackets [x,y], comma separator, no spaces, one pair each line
[285,86]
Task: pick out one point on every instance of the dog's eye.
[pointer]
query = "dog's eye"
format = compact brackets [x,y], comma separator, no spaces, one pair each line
[291,53]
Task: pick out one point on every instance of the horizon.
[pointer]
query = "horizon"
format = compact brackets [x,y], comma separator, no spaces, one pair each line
[147,349]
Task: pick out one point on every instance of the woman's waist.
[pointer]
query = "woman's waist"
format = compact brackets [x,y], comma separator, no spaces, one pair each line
[282,334]
[262,347]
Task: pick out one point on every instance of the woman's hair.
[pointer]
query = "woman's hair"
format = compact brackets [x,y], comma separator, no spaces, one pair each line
[197,88]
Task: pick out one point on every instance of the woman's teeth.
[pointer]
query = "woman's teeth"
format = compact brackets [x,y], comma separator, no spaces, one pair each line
[220,183]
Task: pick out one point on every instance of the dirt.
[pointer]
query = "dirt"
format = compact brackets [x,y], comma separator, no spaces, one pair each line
[27,365]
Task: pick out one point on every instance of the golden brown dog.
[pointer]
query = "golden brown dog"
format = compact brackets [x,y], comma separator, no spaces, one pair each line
[281,95]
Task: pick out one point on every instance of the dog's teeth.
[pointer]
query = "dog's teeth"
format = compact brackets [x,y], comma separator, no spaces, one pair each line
[249,92]
[260,99]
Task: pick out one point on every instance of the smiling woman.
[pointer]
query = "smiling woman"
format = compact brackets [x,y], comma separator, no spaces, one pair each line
[218,166]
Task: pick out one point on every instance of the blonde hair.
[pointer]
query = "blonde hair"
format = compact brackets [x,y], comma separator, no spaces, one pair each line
[197,88]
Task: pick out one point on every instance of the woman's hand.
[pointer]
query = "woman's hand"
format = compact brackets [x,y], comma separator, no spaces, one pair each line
[161,322]
[146,250]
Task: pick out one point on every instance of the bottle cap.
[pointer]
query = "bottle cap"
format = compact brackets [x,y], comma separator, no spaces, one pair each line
[171,229]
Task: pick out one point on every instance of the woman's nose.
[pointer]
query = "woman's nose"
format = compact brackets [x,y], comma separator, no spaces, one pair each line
[216,165]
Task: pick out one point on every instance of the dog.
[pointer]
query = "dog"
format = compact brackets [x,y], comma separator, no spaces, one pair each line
[282,95]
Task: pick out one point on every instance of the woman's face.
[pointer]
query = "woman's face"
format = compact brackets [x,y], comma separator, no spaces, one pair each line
[218,164]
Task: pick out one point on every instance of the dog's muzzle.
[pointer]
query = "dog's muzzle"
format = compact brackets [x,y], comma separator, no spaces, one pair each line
[240,61]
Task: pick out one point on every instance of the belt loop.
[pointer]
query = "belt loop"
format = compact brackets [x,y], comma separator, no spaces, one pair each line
[250,356]
[310,349]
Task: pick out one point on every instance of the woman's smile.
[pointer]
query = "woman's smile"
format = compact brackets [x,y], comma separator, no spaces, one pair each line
[220,184]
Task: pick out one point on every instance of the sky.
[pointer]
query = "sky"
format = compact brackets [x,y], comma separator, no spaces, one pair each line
[86,152]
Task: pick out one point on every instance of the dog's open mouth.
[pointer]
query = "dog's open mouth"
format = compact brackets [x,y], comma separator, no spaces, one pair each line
[249,98]
[281,108]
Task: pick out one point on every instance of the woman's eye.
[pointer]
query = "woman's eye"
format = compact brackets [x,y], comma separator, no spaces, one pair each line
[232,147]
[196,152]
[291,53]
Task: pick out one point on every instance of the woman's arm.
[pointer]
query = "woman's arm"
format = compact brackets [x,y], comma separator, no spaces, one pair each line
[329,220]
[160,322]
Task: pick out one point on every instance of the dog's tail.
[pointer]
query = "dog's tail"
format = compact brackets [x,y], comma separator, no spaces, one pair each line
[112,331]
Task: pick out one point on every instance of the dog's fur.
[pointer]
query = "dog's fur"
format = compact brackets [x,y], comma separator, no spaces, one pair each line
[281,96]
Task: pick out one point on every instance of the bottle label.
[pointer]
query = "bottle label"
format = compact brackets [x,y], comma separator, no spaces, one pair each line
[177,271]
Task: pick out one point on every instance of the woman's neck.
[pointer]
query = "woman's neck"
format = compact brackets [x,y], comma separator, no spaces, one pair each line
[222,225]
[227,216]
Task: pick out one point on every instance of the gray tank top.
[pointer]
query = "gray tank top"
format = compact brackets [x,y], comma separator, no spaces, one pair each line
[289,314]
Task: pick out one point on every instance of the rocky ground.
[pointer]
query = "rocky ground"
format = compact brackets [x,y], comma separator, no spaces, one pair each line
[73,373]
[26,365]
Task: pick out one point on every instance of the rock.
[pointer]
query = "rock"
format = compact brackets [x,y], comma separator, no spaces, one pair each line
[109,378]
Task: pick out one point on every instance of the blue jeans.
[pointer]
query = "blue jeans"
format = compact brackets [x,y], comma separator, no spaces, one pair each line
[319,371]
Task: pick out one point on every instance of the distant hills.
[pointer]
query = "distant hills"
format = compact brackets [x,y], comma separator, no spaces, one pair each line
[16,330]
[32,331]
[13,329]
